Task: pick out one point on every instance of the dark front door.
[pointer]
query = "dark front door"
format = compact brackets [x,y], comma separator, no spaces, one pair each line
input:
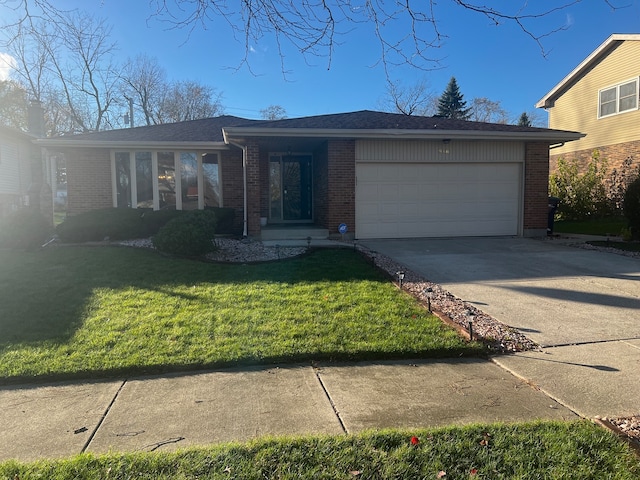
[290,188]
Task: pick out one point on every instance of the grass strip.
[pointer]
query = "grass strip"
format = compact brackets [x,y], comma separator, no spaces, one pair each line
[537,450]
[83,312]
[603,227]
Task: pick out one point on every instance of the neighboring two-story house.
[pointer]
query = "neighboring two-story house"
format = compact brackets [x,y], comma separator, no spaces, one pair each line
[23,181]
[600,98]
[15,169]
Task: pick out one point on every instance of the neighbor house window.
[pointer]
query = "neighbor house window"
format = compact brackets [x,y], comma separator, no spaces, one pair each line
[166,180]
[618,99]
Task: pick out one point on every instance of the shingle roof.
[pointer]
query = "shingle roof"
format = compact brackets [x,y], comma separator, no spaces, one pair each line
[372,120]
[203,130]
[213,130]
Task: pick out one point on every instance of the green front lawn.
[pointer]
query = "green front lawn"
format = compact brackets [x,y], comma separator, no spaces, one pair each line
[542,450]
[87,312]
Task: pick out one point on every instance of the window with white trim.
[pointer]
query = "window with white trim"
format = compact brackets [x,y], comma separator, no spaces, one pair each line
[618,99]
[185,180]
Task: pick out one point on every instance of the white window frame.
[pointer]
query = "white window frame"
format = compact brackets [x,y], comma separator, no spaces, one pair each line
[154,166]
[617,87]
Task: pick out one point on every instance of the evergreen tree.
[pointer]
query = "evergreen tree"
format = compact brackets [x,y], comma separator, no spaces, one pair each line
[524,120]
[451,103]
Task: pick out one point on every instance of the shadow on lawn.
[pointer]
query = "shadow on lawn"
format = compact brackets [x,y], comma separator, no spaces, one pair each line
[45,295]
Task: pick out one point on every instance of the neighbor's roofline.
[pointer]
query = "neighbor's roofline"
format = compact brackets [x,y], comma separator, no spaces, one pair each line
[547,100]
[230,133]
[61,142]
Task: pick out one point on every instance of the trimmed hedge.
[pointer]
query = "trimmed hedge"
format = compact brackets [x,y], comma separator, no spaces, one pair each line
[25,229]
[189,235]
[128,223]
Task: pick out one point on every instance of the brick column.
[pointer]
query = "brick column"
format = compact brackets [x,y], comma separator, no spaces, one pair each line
[88,180]
[252,165]
[536,189]
[341,175]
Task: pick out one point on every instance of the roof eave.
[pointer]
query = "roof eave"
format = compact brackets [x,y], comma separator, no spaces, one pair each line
[240,134]
[67,143]
[548,100]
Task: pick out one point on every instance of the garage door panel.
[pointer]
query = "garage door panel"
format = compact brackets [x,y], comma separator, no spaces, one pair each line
[431,200]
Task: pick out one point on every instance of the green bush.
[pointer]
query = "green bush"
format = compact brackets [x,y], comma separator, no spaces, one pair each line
[128,223]
[225,220]
[582,196]
[632,208]
[25,229]
[190,235]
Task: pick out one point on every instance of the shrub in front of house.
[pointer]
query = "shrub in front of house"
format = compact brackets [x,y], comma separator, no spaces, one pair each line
[632,208]
[189,235]
[129,223]
[225,220]
[582,194]
[97,225]
[25,229]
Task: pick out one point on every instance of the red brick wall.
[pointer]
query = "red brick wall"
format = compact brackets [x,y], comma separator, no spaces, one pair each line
[320,187]
[253,189]
[341,182]
[536,185]
[231,177]
[88,180]
[614,154]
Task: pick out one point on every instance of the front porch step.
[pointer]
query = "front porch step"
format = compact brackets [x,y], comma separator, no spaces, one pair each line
[293,232]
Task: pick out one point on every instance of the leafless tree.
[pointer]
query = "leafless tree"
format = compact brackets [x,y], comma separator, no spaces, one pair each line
[415,99]
[144,82]
[273,112]
[407,33]
[485,110]
[13,103]
[67,64]
[189,100]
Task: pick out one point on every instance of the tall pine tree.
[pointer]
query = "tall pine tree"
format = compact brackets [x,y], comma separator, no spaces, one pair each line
[451,103]
[524,120]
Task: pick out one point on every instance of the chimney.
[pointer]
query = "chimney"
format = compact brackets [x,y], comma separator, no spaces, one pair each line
[36,118]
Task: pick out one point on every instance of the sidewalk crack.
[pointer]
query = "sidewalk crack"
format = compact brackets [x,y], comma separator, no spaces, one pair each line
[103,417]
[316,371]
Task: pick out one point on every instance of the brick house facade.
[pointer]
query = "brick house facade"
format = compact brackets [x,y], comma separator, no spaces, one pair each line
[317,171]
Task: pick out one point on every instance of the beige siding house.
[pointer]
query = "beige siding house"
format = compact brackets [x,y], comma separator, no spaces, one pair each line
[15,169]
[600,98]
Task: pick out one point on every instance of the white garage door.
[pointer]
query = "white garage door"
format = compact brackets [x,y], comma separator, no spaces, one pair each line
[404,200]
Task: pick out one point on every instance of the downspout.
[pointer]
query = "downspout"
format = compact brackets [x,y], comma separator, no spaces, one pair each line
[245,228]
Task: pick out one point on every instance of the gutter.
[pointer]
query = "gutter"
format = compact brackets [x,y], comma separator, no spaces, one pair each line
[61,142]
[431,134]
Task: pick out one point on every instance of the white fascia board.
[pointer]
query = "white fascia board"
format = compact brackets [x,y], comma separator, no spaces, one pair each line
[586,63]
[435,134]
[134,145]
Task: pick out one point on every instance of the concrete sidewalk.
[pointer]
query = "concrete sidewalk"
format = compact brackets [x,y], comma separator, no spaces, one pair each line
[171,412]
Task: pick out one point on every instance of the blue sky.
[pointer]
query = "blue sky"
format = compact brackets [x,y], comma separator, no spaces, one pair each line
[498,62]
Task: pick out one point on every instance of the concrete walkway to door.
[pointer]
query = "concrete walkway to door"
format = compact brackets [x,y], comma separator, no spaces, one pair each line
[581,306]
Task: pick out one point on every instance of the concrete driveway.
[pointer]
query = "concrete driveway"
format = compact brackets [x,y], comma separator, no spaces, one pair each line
[582,306]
